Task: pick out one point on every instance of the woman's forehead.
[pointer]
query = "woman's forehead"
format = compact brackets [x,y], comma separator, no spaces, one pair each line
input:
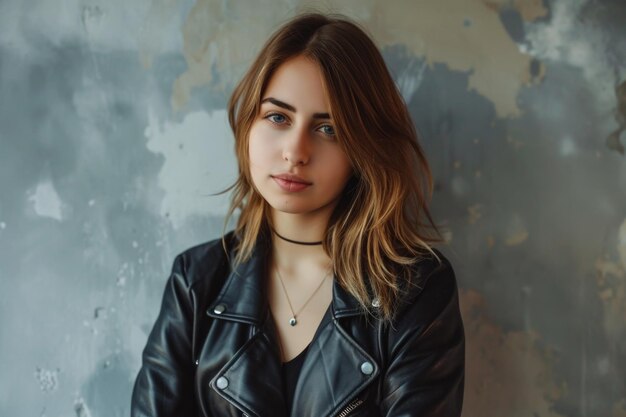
[297,83]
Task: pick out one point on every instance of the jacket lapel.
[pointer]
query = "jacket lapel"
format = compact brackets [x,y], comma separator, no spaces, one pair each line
[255,379]
[254,372]
[332,375]
[243,297]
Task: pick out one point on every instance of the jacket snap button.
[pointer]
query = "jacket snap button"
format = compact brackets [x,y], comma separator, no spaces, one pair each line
[219,309]
[222,382]
[197,362]
[375,303]
[367,368]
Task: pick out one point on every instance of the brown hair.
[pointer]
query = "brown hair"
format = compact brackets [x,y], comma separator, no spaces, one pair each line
[381,225]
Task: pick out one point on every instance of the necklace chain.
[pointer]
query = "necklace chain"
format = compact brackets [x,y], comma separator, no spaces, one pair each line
[293,320]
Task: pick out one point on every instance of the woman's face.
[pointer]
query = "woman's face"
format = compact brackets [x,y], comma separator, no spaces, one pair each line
[296,162]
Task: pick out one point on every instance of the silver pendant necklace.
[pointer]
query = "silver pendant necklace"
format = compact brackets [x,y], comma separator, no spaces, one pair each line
[294,315]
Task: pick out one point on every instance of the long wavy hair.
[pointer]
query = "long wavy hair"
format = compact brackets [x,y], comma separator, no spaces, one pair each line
[381,225]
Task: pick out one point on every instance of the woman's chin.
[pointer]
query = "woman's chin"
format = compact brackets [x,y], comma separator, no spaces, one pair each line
[301,208]
[290,209]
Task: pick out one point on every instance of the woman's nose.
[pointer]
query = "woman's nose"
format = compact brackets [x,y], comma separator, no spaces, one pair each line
[296,149]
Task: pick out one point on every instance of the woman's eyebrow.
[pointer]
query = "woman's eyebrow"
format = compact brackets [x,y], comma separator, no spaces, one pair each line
[293,109]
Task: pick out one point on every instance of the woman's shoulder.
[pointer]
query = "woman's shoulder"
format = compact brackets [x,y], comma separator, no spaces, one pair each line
[204,259]
[433,269]
[431,290]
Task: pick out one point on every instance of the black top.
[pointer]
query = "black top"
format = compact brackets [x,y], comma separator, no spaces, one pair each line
[291,369]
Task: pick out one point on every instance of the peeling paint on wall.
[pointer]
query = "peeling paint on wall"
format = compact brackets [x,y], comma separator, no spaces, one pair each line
[81,409]
[531,10]
[621,243]
[582,46]
[613,141]
[161,15]
[516,231]
[201,150]
[46,201]
[475,213]
[460,34]
[215,43]
[508,373]
[619,409]
[611,281]
[48,378]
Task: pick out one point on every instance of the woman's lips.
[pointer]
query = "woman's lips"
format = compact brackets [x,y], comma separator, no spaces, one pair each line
[288,184]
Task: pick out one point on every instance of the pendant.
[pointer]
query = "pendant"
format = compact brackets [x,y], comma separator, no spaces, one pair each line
[293,321]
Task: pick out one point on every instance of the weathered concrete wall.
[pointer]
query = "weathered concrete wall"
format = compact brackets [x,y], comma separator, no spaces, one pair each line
[113,133]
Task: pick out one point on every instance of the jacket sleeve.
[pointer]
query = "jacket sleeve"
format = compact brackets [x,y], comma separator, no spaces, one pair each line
[164,385]
[426,367]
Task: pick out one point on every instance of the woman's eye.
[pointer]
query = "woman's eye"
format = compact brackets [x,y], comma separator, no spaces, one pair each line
[276,118]
[328,130]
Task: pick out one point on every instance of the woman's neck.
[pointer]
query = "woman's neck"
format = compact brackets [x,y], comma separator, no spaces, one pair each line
[300,228]
[308,232]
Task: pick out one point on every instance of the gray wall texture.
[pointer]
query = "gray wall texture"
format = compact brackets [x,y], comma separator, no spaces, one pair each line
[113,135]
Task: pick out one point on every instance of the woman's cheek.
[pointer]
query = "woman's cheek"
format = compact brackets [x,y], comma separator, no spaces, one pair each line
[260,147]
[264,146]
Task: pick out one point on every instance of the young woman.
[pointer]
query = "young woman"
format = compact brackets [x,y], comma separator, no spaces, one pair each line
[328,298]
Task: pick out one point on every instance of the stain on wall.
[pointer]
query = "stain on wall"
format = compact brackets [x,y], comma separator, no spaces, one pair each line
[508,373]
[613,140]
[114,138]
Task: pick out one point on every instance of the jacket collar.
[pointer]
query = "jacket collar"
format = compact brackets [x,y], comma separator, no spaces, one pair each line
[332,374]
[243,297]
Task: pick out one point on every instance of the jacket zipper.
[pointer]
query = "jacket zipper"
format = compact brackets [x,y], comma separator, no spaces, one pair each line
[354,404]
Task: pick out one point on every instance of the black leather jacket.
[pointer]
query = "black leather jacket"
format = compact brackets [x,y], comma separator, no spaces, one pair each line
[213,349]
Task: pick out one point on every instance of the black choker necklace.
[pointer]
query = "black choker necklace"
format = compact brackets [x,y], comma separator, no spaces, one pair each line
[297,242]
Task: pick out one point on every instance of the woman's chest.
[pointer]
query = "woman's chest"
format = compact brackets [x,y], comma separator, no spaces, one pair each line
[239,372]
